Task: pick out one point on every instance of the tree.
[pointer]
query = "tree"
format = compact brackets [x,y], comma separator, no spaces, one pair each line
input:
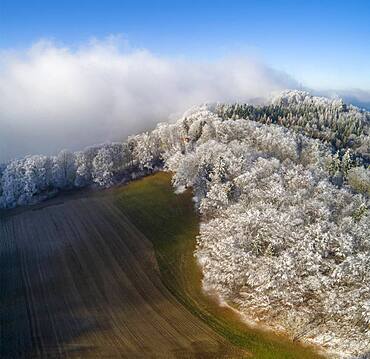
[13,183]
[84,165]
[346,162]
[64,169]
[103,168]
[359,179]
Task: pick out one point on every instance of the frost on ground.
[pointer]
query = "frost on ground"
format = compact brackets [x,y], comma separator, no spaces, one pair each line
[283,191]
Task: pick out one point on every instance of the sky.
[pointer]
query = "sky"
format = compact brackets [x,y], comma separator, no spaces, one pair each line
[74,73]
[324,44]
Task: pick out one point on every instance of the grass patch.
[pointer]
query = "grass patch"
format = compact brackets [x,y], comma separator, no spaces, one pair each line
[170,222]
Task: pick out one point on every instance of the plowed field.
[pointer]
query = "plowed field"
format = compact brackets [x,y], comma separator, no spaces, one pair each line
[111,275]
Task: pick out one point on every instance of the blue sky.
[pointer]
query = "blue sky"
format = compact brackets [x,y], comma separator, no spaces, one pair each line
[323,44]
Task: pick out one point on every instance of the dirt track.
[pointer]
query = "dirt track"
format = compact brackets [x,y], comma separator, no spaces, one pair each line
[79,280]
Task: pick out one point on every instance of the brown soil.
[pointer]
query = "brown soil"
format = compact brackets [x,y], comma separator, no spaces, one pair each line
[79,280]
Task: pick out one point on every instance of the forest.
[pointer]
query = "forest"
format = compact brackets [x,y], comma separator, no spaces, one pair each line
[283,193]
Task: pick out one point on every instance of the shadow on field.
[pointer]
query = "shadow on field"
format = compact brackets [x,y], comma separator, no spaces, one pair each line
[40,311]
[79,280]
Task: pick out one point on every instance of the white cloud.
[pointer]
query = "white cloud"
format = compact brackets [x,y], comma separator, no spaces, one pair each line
[52,97]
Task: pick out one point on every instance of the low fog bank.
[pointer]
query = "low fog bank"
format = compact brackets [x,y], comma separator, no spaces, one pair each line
[53,97]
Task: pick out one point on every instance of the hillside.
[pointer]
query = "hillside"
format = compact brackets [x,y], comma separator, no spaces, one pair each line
[80,278]
[282,191]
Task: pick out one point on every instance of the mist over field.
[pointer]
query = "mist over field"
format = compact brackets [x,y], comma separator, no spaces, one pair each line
[54,97]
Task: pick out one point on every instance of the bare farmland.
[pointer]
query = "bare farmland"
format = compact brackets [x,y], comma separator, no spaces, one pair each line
[79,280]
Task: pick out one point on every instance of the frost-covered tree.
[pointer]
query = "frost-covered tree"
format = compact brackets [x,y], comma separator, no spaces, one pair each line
[64,169]
[329,120]
[103,167]
[13,183]
[146,150]
[279,239]
[37,174]
[84,165]
[359,179]
[25,178]
[110,160]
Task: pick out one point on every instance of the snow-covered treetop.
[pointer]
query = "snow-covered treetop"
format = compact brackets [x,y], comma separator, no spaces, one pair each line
[297,97]
[329,120]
